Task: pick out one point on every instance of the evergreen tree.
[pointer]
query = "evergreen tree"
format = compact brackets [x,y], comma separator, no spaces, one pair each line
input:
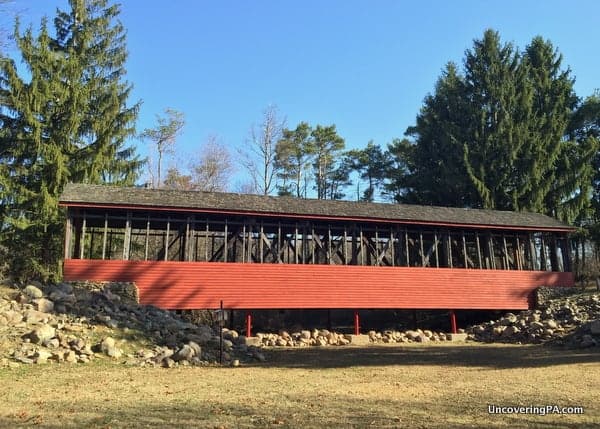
[328,145]
[293,154]
[67,121]
[435,172]
[494,136]
[372,164]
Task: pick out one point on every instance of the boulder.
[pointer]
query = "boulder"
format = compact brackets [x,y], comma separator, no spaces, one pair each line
[42,333]
[595,327]
[106,344]
[33,291]
[44,305]
[42,356]
[184,353]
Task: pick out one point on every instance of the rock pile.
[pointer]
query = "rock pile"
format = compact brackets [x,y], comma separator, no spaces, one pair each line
[570,320]
[410,336]
[324,337]
[78,323]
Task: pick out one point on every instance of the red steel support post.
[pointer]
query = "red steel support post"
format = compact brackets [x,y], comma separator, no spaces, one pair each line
[453,322]
[248,324]
[356,323]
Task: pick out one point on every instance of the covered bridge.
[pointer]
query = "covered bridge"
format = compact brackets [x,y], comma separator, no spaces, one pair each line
[192,250]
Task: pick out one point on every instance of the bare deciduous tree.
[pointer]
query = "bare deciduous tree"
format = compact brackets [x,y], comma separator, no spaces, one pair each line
[259,159]
[213,169]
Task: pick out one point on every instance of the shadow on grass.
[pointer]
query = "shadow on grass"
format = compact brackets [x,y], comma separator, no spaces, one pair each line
[312,410]
[478,355]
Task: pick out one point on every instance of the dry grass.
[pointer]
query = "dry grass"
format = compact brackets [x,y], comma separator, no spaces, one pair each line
[410,386]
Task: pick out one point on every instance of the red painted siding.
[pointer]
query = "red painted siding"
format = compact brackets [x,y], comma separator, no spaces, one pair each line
[197,285]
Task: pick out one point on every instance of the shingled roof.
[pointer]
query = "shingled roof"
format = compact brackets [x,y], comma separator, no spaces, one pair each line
[133,197]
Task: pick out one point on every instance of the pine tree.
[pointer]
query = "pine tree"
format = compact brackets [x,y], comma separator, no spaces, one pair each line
[67,121]
[328,145]
[372,164]
[293,154]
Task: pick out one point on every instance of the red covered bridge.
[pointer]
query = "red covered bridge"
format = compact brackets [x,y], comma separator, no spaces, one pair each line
[192,250]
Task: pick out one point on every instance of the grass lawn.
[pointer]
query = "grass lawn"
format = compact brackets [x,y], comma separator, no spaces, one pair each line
[444,386]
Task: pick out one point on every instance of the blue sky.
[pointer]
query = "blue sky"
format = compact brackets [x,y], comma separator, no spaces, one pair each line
[364,66]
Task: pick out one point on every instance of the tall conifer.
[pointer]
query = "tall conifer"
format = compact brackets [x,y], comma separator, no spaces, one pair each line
[68,120]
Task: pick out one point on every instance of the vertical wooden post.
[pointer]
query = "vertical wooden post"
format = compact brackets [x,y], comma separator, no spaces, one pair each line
[167,233]
[345,248]
[248,324]
[553,253]
[448,240]
[453,327]
[464,246]
[406,246]
[360,247]
[356,323]
[278,242]
[244,242]
[505,247]
[422,248]
[479,260]
[82,238]
[376,246]
[435,243]
[518,255]
[91,251]
[354,259]
[147,241]
[329,255]
[568,256]
[544,264]
[533,253]
[127,238]
[296,248]
[490,257]
[186,245]
[68,232]
[206,230]
[225,242]
[260,243]
[393,247]
[104,236]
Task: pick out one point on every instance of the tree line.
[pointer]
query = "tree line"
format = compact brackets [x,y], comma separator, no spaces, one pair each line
[502,130]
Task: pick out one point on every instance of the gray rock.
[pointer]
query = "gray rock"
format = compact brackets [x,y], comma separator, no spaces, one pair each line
[184,353]
[112,351]
[12,317]
[587,341]
[44,305]
[510,331]
[65,287]
[42,333]
[71,356]
[196,347]
[34,316]
[33,291]
[42,356]
[595,327]
[550,323]
[168,363]
[106,344]
[51,343]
